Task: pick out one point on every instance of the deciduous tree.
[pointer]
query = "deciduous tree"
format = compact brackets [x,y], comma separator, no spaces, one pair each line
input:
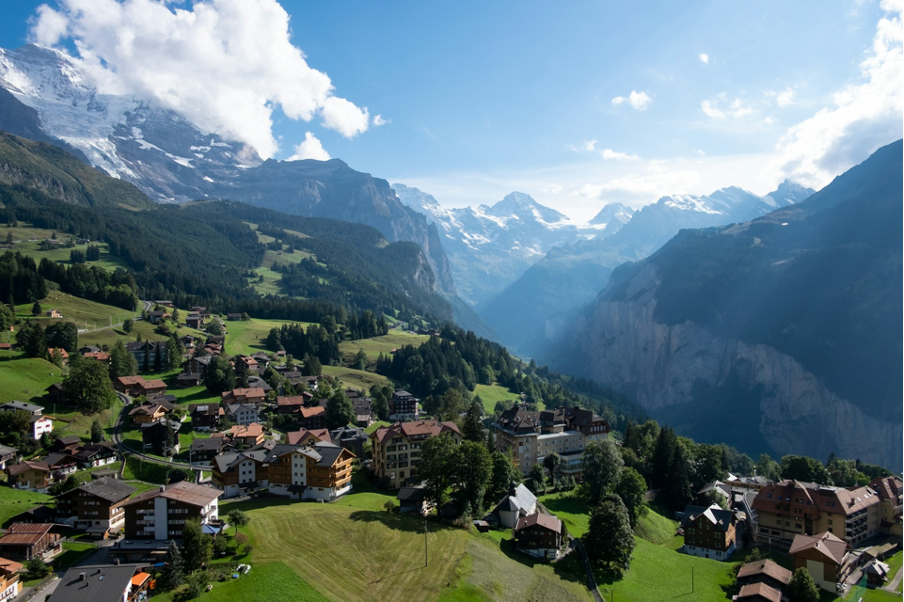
[609,539]
[631,488]
[802,588]
[87,386]
[439,462]
[197,546]
[601,466]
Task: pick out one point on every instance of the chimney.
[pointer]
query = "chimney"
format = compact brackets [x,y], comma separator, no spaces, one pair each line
[162,488]
[81,576]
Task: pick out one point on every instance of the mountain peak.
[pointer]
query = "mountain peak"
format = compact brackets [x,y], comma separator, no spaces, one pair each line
[612,211]
[788,193]
[521,205]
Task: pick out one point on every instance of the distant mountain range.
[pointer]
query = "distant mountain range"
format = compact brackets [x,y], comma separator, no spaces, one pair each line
[782,333]
[45,97]
[492,246]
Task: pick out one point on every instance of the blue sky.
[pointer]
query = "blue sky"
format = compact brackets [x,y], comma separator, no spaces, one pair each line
[484,98]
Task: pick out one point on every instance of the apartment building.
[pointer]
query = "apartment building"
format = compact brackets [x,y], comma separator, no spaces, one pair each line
[790,508]
[161,513]
[10,586]
[96,507]
[396,448]
[890,491]
[531,436]
[318,470]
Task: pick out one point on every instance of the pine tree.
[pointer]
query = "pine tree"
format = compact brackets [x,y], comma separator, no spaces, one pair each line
[36,308]
[158,356]
[802,588]
[472,426]
[97,432]
[197,546]
[174,571]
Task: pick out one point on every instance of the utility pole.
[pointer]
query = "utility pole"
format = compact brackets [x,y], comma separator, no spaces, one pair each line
[425,544]
[692,578]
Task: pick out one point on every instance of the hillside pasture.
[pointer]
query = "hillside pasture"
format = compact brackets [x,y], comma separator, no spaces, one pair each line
[382,344]
[27,240]
[26,379]
[490,394]
[247,336]
[357,379]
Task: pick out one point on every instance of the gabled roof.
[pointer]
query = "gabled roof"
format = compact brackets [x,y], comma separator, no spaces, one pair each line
[418,428]
[544,520]
[519,499]
[111,490]
[25,534]
[762,590]
[9,567]
[101,583]
[25,465]
[297,437]
[329,453]
[411,494]
[183,491]
[5,450]
[92,449]
[21,405]
[208,444]
[765,567]
[56,458]
[252,430]
[888,488]
[830,546]
[312,412]
[720,519]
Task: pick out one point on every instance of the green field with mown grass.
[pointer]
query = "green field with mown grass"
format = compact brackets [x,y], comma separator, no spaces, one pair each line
[26,379]
[490,394]
[16,501]
[27,241]
[247,336]
[357,379]
[382,344]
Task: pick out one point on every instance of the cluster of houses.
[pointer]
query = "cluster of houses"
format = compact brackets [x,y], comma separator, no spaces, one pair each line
[825,529]
[67,455]
[40,423]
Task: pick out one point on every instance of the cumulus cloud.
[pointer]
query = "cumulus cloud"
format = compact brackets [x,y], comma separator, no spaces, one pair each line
[590,145]
[610,155]
[639,101]
[720,108]
[378,121]
[710,110]
[704,58]
[866,114]
[225,65]
[310,149]
[785,97]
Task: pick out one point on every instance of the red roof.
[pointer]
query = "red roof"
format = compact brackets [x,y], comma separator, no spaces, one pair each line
[760,589]
[415,429]
[546,521]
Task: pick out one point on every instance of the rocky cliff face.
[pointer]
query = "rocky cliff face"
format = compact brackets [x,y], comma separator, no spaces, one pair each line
[695,379]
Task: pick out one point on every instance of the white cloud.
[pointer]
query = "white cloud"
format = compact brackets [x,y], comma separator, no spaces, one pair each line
[711,111]
[310,149]
[610,155]
[589,146]
[639,101]
[225,65]
[378,121]
[704,58]
[865,115]
[785,97]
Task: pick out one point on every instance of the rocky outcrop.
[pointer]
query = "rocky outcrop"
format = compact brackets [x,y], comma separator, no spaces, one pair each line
[665,368]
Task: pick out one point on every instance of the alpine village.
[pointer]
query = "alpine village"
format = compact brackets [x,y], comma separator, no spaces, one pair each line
[225,378]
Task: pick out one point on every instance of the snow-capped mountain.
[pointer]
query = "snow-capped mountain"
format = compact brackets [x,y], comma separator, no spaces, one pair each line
[532,308]
[489,247]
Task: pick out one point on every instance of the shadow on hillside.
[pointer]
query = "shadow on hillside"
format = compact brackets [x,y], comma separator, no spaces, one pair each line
[399,522]
[567,568]
[200,395]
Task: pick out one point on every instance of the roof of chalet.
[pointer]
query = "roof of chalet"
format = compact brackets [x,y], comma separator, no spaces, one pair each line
[519,499]
[296,437]
[101,583]
[830,546]
[112,490]
[183,491]
[25,465]
[21,405]
[25,534]
[546,521]
[813,498]
[720,519]
[765,567]
[767,592]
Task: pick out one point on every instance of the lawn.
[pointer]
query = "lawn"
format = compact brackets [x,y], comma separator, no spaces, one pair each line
[490,394]
[358,379]
[191,395]
[73,553]
[78,310]
[142,470]
[28,241]
[377,424]
[570,509]
[15,501]
[383,552]
[247,336]
[384,344]
[68,421]
[26,379]
[658,574]
[272,582]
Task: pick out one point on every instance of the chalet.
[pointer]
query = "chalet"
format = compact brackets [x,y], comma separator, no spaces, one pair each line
[239,473]
[205,417]
[257,382]
[54,393]
[8,456]
[189,341]
[128,385]
[233,317]
[519,502]
[103,583]
[291,404]
[242,414]
[414,500]
[364,413]
[403,406]
[148,354]
[250,434]
[161,513]
[246,396]
[764,572]
[248,362]
[758,592]
[825,556]
[202,451]
[97,454]
[158,316]
[215,339]
[197,364]
[24,541]
[164,303]
[194,320]
[30,475]
[539,535]
[306,437]
[188,379]
[41,425]
[352,439]
[60,464]
[710,532]
[312,418]
[150,388]
[101,356]
[95,507]
[10,586]
[396,448]
[54,313]
[58,352]
[153,435]
[149,411]
[69,444]
[876,573]
[38,514]
[16,406]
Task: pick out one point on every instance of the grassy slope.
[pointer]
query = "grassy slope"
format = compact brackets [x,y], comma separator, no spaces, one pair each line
[78,310]
[384,344]
[490,394]
[357,379]
[248,336]
[27,378]
[28,239]
[14,501]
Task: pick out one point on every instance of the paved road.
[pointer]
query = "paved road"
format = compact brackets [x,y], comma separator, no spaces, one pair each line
[585,562]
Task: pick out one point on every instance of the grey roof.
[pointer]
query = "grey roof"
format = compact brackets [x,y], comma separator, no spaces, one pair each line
[208,444]
[411,494]
[103,583]
[21,405]
[225,461]
[92,449]
[108,489]
[235,408]
[56,457]
[328,452]
[721,519]
[5,450]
